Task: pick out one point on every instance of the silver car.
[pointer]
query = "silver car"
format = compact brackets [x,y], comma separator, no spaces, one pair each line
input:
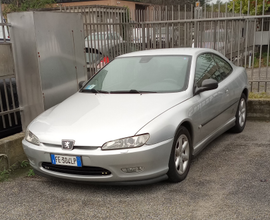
[104,41]
[141,118]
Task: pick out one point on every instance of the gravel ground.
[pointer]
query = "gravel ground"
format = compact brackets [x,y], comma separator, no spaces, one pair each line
[230,179]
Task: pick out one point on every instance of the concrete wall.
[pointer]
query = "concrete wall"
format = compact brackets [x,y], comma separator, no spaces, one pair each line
[130,5]
[119,3]
[259,109]
[11,151]
[262,38]
[6,60]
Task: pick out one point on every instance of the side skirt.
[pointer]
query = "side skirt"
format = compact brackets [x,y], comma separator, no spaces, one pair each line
[200,146]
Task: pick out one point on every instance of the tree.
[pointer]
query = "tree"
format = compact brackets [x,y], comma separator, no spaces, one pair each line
[26,5]
[252,7]
[219,5]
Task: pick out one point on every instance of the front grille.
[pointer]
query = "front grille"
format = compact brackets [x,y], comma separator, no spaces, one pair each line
[95,171]
[75,147]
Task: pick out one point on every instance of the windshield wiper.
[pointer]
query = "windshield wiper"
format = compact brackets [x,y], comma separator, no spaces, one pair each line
[94,91]
[132,91]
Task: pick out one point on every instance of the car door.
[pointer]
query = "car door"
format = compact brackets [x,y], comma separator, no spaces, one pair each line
[209,103]
[227,87]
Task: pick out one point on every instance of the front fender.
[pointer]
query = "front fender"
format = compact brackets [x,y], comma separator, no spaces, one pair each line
[166,124]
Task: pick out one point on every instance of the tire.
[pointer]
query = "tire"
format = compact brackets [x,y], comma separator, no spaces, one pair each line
[241,115]
[180,158]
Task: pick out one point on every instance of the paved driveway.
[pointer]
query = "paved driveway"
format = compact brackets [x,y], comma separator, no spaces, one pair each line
[230,179]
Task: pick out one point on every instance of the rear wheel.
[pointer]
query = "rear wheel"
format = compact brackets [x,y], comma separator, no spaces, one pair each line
[180,156]
[241,115]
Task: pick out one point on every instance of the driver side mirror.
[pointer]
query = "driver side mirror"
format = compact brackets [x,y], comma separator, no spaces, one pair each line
[207,84]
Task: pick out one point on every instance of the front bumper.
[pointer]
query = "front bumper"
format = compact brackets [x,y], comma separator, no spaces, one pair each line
[153,158]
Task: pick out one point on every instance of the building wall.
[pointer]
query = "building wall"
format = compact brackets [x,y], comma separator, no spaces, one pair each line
[130,5]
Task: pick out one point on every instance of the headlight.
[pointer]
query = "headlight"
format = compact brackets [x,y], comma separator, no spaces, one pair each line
[30,137]
[129,142]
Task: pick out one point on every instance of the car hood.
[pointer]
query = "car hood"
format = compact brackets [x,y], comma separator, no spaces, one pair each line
[93,119]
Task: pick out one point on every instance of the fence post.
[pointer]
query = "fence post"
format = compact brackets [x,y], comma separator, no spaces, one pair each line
[214,37]
[167,35]
[143,36]
[1,16]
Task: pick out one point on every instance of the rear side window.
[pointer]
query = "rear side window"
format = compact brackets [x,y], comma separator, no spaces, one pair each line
[211,66]
[223,65]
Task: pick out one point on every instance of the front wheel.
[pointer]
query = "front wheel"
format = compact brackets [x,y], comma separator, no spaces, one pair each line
[180,158]
[241,115]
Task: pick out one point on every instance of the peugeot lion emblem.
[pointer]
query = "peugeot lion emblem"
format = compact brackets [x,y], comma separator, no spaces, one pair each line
[67,144]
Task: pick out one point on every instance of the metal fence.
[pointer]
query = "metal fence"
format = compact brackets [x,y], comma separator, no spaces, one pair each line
[111,31]
[242,38]
[9,104]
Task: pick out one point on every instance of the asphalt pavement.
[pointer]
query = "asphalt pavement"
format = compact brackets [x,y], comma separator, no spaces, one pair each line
[229,179]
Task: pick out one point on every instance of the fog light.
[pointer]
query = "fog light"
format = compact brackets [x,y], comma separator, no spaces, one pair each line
[132,169]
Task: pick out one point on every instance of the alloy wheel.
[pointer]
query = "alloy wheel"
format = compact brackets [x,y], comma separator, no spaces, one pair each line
[242,112]
[182,154]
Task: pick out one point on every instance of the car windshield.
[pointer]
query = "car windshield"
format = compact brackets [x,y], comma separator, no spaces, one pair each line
[147,74]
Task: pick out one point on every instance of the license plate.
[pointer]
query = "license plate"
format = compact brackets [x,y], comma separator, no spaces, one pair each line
[74,161]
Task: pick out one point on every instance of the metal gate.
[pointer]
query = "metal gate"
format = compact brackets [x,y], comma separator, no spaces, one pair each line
[242,38]
[111,31]
[9,105]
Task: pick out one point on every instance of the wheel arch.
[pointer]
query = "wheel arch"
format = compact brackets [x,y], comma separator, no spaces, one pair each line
[173,173]
[188,125]
[245,92]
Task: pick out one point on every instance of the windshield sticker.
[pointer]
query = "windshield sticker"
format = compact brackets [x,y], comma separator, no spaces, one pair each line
[145,59]
[90,86]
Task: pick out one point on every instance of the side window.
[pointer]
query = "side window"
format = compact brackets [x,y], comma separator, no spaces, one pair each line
[224,66]
[206,68]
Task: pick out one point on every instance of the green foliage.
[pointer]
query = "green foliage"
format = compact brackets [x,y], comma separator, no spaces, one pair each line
[4,175]
[263,60]
[30,173]
[261,95]
[27,5]
[252,7]
[16,170]
[202,2]
[24,163]
[216,6]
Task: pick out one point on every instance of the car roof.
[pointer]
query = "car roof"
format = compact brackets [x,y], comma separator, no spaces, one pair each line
[111,32]
[170,51]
